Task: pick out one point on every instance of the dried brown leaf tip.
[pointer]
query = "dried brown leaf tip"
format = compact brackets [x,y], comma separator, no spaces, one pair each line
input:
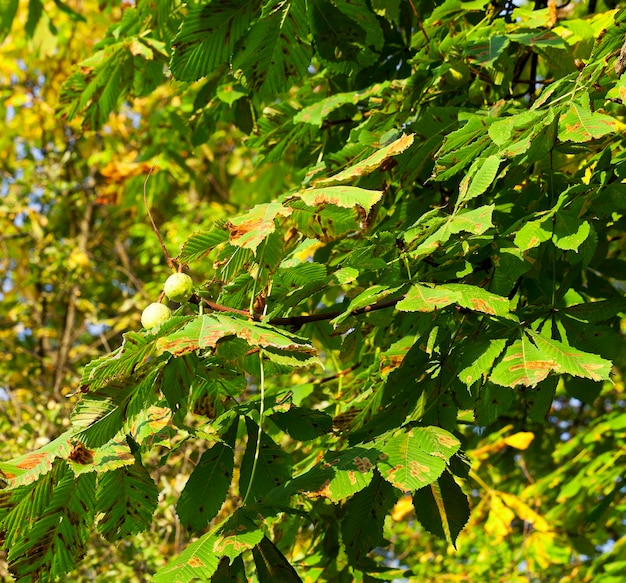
[81,455]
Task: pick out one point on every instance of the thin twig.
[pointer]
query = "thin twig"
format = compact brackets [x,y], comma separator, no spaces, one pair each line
[419,21]
[297,321]
[220,308]
[169,260]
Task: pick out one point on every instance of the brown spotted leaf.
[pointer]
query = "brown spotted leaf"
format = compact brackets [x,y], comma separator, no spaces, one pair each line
[370,163]
[252,228]
[341,196]
[417,457]
[236,536]
[207,330]
[523,364]
[572,361]
[427,298]
[579,124]
[336,477]
[28,467]
[196,562]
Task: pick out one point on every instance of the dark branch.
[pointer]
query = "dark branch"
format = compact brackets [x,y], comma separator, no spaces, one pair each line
[296,321]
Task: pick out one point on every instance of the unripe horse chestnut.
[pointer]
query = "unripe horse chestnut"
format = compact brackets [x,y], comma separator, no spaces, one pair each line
[155,314]
[178,287]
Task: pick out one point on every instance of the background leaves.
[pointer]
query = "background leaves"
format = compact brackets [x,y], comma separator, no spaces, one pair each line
[404,227]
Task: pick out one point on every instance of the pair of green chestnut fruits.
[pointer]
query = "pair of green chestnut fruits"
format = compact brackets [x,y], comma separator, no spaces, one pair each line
[178,288]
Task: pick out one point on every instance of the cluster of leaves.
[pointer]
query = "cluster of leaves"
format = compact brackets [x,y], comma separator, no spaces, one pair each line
[444,240]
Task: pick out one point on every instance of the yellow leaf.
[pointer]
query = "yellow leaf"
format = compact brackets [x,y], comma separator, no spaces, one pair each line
[525,512]
[402,509]
[546,549]
[520,440]
[498,524]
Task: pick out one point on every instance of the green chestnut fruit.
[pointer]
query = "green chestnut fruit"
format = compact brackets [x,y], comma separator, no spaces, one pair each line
[178,287]
[155,314]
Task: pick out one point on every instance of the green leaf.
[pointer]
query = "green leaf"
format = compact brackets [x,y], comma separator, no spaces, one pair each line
[271,564]
[584,390]
[364,518]
[8,9]
[113,455]
[100,415]
[273,53]
[74,16]
[442,508]
[479,358]
[428,298]
[597,311]
[541,38]
[366,298]
[476,221]
[228,572]
[151,426]
[439,230]
[35,11]
[462,147]
[425,298]
[268,466]
[486,52]
[202,557]
[479,178]
[326,222]
[176,381]
[121,363]
[341,43]
[20,506]
[126,500]
[415,458]
[27,468]
[317,112]
[352,470]
[516,129]
[202,242]
[493,402]
[207,38]
[207,487]
[58,536]
[303,424]
[570,232]
[527,364]
[337,477]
